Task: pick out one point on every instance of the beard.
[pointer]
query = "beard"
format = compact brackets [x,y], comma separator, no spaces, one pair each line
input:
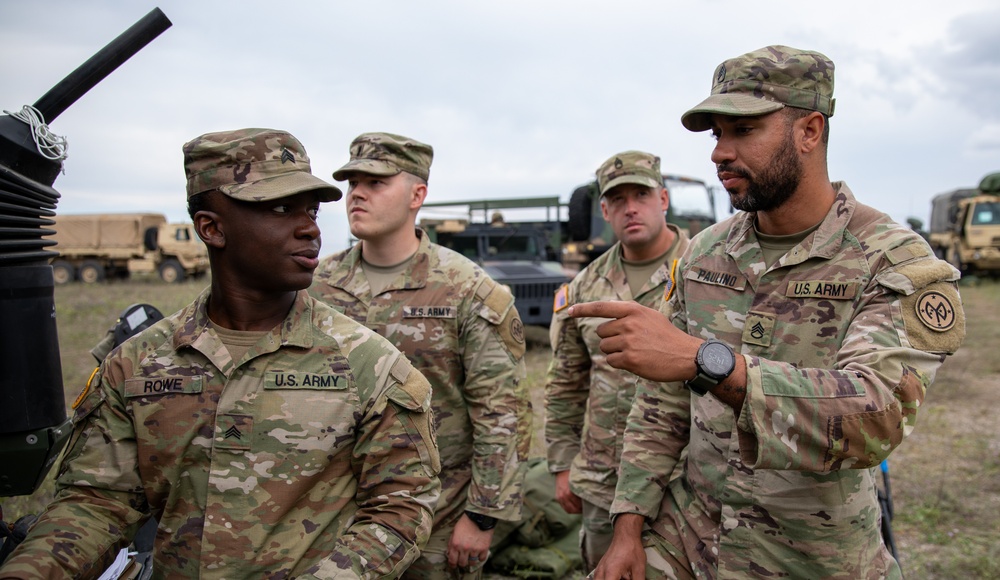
[773,185]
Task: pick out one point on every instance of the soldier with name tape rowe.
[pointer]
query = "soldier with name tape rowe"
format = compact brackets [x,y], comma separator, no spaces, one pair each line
[269,435]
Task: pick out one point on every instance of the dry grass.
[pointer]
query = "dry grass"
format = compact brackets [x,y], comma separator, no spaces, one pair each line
[945,477]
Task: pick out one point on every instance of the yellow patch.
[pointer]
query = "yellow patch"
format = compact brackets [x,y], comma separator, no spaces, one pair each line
[668,291]
[86,389]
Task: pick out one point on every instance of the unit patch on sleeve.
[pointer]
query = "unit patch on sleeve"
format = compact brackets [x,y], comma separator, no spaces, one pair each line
[936,311]
[561,299]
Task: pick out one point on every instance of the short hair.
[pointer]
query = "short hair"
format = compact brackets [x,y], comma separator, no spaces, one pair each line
[414,179]
[200,202]
[793,114]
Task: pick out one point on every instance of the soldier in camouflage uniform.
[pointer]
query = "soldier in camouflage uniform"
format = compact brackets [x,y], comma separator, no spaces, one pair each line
[587,401]
[271,436]
[458,327]
[807,327]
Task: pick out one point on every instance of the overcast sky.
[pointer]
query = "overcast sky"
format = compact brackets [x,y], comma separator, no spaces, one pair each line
[518,98]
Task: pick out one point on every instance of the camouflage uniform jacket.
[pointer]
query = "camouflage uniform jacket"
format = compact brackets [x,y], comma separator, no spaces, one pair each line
[841,337]
[462,331]
[311,457]
[587,401]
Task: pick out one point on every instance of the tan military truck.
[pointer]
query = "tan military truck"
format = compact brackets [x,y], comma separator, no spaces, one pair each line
[965,226]
[104,246]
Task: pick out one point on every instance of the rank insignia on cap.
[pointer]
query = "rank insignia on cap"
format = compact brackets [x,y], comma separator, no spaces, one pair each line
[561,299]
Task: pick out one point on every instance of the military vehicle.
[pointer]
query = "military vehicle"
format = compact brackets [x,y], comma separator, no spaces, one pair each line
[965,226]
[523,255]
[692,209]
[101,246]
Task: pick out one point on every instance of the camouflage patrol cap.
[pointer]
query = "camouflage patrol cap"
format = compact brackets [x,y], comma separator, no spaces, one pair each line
[252,165]
[387,154]
[630,167]
[764,81]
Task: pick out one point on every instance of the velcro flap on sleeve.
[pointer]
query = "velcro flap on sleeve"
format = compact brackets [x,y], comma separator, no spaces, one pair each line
[912,276]
[411,391]
[497,300]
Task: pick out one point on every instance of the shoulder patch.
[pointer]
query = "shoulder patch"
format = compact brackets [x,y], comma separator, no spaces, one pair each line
[86,389]
[936,311]
[561,300]
[668,288]
[930,305]
[933,319]
[512,332]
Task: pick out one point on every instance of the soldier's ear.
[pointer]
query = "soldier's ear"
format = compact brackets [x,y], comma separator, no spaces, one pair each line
[209,227]
[418,193]
[810,129]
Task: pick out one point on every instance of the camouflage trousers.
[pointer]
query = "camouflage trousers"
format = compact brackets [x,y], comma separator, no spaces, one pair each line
[596,532]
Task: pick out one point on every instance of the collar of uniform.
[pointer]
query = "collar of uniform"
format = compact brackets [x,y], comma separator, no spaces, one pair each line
[295,330]
[345,275]
[826,240]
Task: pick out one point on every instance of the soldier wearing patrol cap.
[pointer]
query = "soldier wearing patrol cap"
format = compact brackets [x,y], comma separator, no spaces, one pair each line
[806,330]
[269,435]
[587,400]
[458,327]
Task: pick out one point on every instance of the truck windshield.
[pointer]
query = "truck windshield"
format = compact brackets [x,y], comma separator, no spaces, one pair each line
[690,198]
[512,247]
[986,213]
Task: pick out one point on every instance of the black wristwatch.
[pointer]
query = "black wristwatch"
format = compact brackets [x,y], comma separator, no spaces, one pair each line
[482,522]
[715,362]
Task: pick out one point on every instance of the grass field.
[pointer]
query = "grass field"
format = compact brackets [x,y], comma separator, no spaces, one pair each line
[945,478]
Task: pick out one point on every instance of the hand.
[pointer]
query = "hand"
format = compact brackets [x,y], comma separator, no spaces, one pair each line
[565,496]
[625,557]
[469,546]
[642,340]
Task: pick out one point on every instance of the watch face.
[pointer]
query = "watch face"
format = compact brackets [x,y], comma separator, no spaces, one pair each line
[718,359]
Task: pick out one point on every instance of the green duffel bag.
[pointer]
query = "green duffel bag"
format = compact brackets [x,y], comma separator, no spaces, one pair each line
[556,560]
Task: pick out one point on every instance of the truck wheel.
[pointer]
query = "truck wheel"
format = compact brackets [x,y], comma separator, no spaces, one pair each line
[171,271]
[580,212]
[62,272]
[91,271]
[150,239]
